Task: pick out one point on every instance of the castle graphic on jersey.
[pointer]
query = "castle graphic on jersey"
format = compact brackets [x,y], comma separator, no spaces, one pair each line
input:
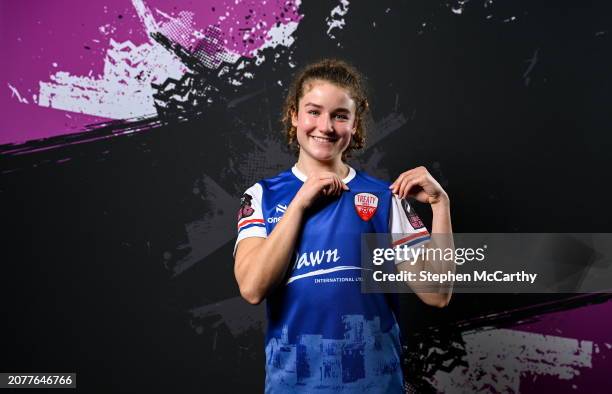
[361,360]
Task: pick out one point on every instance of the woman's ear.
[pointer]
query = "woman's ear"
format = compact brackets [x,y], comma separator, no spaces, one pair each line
[294,118]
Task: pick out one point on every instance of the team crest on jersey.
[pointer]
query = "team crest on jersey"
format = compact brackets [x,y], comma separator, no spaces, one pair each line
[413,218]
[245,207]
[365,205]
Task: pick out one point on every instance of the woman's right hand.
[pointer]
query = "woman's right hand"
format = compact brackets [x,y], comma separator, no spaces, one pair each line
[317,185]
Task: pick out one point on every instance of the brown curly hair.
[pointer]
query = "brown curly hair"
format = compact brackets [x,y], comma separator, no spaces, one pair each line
[341,74]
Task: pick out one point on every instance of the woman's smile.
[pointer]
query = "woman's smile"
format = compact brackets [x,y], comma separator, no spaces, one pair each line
[323,140]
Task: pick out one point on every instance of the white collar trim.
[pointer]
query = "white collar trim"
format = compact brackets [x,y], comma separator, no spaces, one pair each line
[302,177]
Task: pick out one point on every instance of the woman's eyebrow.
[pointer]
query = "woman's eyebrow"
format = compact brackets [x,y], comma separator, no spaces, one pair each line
[341,109]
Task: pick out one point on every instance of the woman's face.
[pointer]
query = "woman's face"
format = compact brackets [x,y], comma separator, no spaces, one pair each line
[325,121]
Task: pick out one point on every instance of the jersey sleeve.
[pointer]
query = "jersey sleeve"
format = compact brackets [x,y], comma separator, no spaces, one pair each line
[405,225]
[251,222]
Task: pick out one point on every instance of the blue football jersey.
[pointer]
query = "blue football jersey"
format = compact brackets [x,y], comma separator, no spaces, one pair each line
[325,335]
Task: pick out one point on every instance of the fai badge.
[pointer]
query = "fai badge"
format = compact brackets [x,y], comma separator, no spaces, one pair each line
[365,205]
[413,218]
[245,207]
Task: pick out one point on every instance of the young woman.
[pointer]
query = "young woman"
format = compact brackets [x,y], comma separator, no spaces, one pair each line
[299,237]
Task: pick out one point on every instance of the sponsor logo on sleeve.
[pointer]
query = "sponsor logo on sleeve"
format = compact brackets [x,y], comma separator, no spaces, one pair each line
[365,205]
[279,210]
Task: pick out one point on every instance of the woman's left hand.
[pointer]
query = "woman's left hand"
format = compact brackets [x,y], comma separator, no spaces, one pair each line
[419,183]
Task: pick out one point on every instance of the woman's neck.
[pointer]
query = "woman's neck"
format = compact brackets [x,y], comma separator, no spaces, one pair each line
[309,166]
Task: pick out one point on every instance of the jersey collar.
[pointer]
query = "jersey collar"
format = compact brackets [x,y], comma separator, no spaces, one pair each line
[302,177]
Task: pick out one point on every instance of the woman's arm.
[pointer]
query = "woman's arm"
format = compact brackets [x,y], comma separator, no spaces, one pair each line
[442,238]
[418,183]
[261,263]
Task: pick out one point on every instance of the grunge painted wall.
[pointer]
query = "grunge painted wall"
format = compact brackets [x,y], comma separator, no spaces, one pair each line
[131,128]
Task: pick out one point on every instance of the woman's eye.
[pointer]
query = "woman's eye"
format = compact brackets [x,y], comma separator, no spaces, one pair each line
[313,112]
[342,116]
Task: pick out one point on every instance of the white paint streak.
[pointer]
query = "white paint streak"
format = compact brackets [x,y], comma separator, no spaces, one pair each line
[498,358]
[123,91]
[458,8]
[146,17]
[278,35]
[336,18]
[15,93]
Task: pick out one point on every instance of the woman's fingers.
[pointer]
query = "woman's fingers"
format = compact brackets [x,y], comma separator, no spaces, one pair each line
[331,185]
[401,186]
[327,185]
[395,184]
[415,172]
[405,192]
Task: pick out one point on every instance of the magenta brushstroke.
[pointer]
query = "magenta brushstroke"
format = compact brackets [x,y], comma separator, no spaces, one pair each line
[44,37]
[591,323]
